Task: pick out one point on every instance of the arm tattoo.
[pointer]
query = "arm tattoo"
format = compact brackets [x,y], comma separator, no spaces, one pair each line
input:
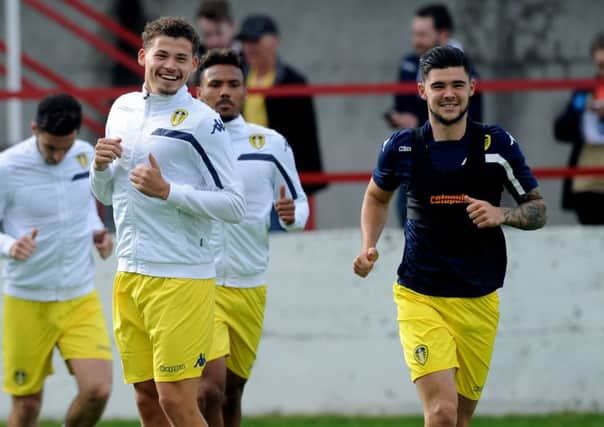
[529,214]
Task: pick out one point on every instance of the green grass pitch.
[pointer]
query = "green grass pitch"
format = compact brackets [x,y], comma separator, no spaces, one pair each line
[554,420]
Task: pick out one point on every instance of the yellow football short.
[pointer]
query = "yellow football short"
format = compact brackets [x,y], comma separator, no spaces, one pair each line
[163,326]
[440,333]
[238,327]
[31,330]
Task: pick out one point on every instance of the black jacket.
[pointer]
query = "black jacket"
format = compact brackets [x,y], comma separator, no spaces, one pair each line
[567,128]
[295,119]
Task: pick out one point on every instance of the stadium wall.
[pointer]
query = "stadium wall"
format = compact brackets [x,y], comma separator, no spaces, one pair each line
[331,343]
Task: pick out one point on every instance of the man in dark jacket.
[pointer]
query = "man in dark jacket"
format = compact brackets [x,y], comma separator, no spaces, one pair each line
[293,117]
[585,195]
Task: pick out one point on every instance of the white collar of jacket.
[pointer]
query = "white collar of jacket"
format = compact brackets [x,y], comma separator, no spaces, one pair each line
[158,99]
[237,126]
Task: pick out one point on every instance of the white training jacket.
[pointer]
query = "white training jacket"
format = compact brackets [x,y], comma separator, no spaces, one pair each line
[55,199]
[265,162]
[169,238]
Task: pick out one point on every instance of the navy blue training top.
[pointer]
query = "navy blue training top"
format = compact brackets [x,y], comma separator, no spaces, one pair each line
[445,253]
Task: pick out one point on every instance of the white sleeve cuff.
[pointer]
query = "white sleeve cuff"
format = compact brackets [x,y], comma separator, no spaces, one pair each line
[6,242]
[104,175]
[176,196]
[294,226]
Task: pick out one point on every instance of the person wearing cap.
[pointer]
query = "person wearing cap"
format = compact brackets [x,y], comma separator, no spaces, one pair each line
[293,117]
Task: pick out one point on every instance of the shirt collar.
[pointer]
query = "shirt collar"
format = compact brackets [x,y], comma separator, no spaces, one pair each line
[164,99]
[236,124]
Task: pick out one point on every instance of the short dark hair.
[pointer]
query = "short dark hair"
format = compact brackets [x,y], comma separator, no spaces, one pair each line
[59,114]
[597,44]
[171,26]
[441,57]
[253,27]
[212,57]
[440,15]
[215,10]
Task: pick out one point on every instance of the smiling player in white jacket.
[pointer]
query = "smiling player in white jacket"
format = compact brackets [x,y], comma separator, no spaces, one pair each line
[167,167]
[268,169]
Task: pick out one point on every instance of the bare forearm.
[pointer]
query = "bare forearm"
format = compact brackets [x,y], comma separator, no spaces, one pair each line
[374,215]
[529,215]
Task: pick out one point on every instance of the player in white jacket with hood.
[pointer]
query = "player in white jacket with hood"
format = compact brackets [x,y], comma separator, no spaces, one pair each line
[268,169]
[167,167]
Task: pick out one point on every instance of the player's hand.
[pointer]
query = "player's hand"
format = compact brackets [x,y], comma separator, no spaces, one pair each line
[106,150]
[103,243]
[149,181]
[483,214]
[364,262]
[286,208]
[24,247]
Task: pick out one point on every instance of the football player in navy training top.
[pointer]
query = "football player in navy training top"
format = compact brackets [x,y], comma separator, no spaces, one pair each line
[454,171]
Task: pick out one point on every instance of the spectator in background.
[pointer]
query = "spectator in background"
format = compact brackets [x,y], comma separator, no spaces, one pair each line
[217,29]
[582,124]
[432,26]
[293,117]
[215,25]
[51,226]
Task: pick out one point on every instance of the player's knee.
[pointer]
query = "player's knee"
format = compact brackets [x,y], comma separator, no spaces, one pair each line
[441,413]
[171,403]
[97,394]
[28,406]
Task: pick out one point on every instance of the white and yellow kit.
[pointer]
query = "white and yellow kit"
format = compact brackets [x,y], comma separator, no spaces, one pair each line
[163,301]
[265,162]
[49,298]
